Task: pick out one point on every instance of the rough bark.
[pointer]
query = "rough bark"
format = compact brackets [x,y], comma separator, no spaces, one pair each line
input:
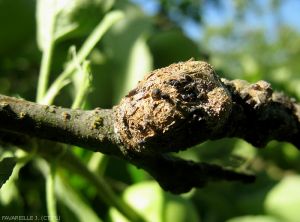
[171,109]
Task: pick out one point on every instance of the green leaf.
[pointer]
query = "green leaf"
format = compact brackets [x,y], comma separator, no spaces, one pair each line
[254,219]
[136,174]
[139,63]
[156,205]
[146,198]
[127,58]
[68,18]
[172,46]
[283,200]
[46,14]
[17,26]
[110,19]
[73,200]
[6,168]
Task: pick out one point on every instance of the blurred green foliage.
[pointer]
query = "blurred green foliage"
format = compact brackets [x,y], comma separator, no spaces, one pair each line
[132,47]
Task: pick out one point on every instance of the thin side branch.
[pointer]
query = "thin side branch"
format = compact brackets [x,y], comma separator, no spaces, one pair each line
[179,176]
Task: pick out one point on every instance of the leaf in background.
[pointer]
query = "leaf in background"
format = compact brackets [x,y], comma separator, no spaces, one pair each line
[68,18]
[283,200]
[88,46]
[251,69]
[136,174]
[147,198]
[172,46]
[81,80]
[11,200]
[254,219]
[74,202]
[125,58]
[6,168]
[139,63]
[156,205]
[17,25]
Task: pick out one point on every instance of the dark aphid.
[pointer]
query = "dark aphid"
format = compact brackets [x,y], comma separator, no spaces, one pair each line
[192,96]
[189,96]
[184,96]
[165,96]
[188,78]
[174,82]
[202,96]
[193,109]
[156,94]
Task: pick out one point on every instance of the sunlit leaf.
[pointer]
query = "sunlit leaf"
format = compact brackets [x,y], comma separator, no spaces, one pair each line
[139,63]
[254,219]
[11,201]
[57,19]
[124,61]
[156,205]
[90,43]
[283,200]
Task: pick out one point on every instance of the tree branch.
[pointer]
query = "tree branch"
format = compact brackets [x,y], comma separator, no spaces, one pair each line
[90,129]
[171,109]
[260,115]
